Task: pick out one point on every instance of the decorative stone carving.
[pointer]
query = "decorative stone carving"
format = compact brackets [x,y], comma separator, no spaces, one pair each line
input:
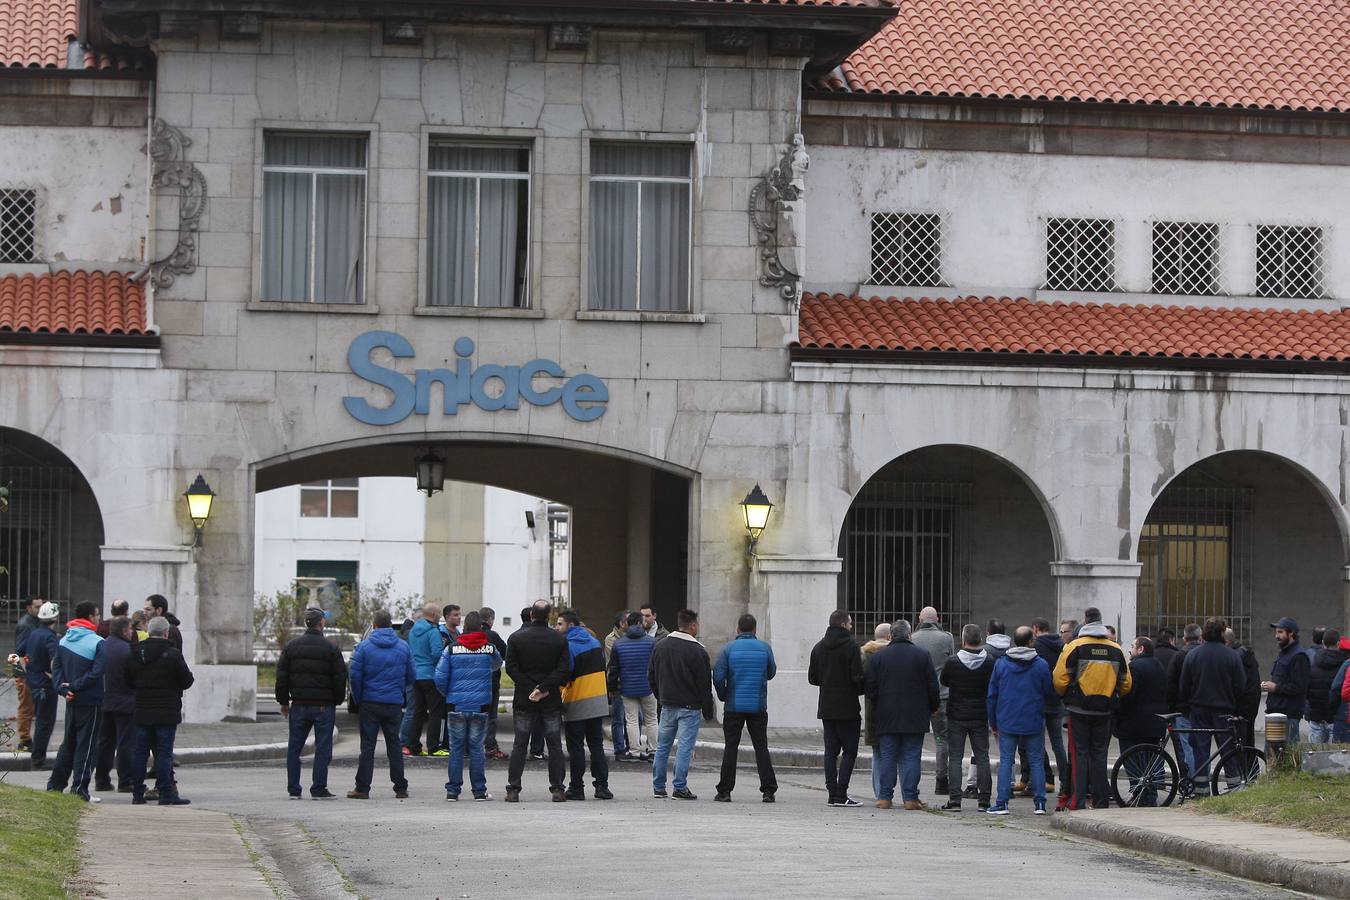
[404,31]
[240,26]
[774,210]
[172,171]
[569,37]
[730,40]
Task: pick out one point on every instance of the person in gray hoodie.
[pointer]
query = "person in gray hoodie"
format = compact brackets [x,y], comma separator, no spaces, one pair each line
[931,636]
[965,678]
[996,643]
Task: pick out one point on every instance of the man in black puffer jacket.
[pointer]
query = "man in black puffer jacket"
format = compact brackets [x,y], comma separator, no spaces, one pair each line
[538,661]
[1137,718]
[311,682]
[837,669]
[966,677]
[1249,704]
[158,675]
[1326,662]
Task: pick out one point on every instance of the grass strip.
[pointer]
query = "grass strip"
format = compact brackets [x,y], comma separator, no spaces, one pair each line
[39,846]
[1296,800]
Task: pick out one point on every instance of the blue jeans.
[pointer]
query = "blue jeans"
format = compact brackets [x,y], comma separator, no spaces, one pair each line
[617,734]
[675,724]
[1187,750]
[1293,729]
[158,738]
[374,719]
[302,719]
[403,727]
[471,728]
[1320,732]
[1033,745]
[900,754]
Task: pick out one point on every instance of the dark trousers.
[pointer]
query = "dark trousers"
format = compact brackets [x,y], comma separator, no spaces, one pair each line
[44,720]
[758,726]
[302,719]
[158,738]
[116,742]
[376,719]
[841,752]
[536,740]
[549,722]
[1201,741]
[490,740]
[1054,731]
[428,715]
[977,732]
[588,733]
[1249,711]
[79,750]
[1091,737]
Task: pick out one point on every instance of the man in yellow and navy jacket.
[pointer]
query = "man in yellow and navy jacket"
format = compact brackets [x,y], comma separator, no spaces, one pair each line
[1092,675]
[585,704]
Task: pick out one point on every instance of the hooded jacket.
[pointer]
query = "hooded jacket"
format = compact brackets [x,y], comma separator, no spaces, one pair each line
[1017,692]
[537,657]
[1212,678]
[681,673]
[870,708]
[1092,674]
[79,663]
[158,675]
[118,697]
[1290,674]
[1250,702]
[40,648]
[1326,663]
[626,671]
[836,668]
[742,674]
[311,672]
[464,673]
[1049,647]
[901,682]
[381,668]
[966,678]
[426,645]
[997,644]
[586,694]
[940,645]
[1137,719]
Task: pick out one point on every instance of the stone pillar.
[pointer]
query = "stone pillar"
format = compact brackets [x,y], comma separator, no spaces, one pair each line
[793,596]
[1108,584]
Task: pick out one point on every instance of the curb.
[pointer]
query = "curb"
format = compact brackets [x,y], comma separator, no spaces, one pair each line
[1310,878]
[187,756]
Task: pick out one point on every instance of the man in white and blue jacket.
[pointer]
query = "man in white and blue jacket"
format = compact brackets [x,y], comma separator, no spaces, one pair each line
[741,679]
[381,671]
[464,678]
[77,673]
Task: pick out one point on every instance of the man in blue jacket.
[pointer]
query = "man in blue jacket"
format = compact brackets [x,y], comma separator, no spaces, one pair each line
[426,642]
[464,679]
[77,672]
[380,671]
[1287,689]
[626,673]
[39,652]
[741,679]
[1018,691]
[117,736]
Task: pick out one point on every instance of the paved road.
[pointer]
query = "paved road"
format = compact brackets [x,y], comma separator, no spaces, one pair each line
[640,847]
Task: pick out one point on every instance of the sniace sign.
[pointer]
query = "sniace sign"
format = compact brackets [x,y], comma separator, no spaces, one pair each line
[539,382]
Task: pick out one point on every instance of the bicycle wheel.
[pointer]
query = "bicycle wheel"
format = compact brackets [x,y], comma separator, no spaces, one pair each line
[1144,776]
[1232,773]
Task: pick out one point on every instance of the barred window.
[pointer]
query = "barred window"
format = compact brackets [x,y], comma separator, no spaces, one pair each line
[1289,261]
[18,225]
[907,249]
[1080,254]
[1185,258]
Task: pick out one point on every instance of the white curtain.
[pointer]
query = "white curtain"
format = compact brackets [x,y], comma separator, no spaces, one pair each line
[477,227]
[286,206]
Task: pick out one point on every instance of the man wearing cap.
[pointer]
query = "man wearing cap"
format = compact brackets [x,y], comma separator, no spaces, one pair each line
[1287,688]
[39,650]
[311,682]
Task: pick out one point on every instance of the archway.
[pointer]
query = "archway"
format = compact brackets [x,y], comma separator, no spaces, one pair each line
[1245,535]
[949,526]
[50,529]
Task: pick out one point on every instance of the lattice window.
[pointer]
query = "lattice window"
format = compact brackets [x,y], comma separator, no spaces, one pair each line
[1080,254]
[1289,261]
[1186,258]
[18,225]
[907,249]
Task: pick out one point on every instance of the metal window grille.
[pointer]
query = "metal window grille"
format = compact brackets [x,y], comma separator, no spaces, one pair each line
[35,536]
[18,225]
[1080,254]
[1186,258]
[905,546]
[907,249]
[1289,261]
[1196,551]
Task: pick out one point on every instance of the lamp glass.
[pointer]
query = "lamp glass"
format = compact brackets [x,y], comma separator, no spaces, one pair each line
[199,500]
[756,507]
[430,473]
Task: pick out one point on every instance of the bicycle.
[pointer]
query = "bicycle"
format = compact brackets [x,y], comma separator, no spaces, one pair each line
[1149,774]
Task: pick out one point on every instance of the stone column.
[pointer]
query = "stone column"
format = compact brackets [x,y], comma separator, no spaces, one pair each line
[1108,584]
[793,596]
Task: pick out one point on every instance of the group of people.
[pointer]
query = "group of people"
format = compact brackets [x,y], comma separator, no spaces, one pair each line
[123,680]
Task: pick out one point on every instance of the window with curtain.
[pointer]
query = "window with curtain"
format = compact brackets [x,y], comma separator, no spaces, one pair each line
[478,205]
[640,226]
[314,217]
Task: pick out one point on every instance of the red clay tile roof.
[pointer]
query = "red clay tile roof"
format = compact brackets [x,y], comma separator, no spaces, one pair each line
[38,34]
[1272,54]
[987,324]
[71,303]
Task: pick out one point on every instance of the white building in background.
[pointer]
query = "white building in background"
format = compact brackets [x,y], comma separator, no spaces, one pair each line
[470,544]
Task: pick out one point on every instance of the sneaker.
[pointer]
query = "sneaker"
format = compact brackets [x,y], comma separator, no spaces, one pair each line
[998,809]
[881,804]
[24,747]
[400,795]
[441,753]
[482,798]
[538,756]
[846,802]
[971,792]
[559,795]
[659,793]
[452,798]
[90,798]
[496,753]
[685,794]
[153,795]
[1040,808]
[137,801]
[984,805]
[358,795]
[512,796]
[174,800]
[722,798]
[288,797]
[1063,803]
[951,806]
[913,805]
[575,794]
[625,757]
[645,757]
[322,794]
[603,793]
[407,751]
[768,798]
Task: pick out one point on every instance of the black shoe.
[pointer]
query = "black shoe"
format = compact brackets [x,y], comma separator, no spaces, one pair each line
[538,756]
[685,794]
[559,795]
[175,800]
[941,788]
[137,801]
[512,796]
[768,798]
[984,804]
[400,795]
[104,786]
[659,794]
[39,765]
[951,805]
[722,798]
[24,747]
[575,794]
[124,789]
[322,794]
[603,793]
[152,795]
[971,792]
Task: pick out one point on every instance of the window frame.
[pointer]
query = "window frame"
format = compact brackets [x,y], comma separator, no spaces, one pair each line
[368,305]
[1323,258]
[941,281]
[36,255]
[1116,234]
[1219,269]
[329,488]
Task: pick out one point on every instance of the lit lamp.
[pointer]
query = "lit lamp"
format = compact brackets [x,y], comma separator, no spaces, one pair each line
[199,499]
[430,472]
[756,508]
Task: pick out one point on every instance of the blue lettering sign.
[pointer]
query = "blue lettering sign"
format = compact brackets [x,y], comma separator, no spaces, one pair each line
[490,387]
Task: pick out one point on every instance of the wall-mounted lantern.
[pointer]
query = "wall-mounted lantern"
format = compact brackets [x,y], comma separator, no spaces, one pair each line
[199,499]
[430,472]
[756,507]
